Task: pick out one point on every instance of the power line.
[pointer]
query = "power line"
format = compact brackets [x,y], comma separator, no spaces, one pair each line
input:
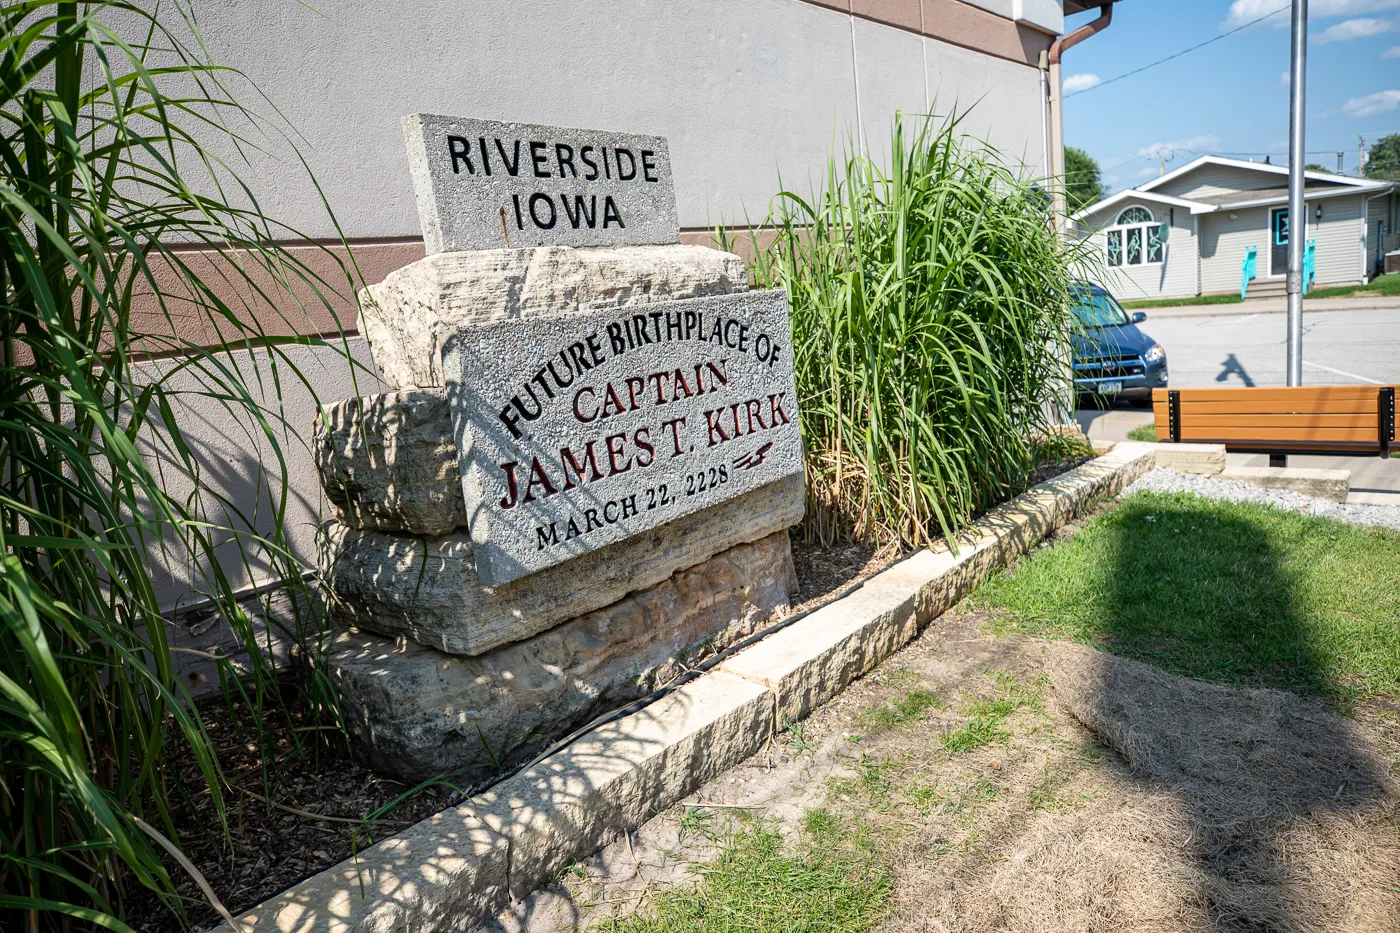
[1200,45]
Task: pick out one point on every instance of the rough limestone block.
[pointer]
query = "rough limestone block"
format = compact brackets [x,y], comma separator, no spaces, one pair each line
[1206,459]
[415,712]
[407,317]
[816,657]
[389,462]
[1320,484]
[444,873]
[425,587]
[613,780]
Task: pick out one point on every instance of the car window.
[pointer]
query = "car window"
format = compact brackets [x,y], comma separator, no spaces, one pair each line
[1096,309]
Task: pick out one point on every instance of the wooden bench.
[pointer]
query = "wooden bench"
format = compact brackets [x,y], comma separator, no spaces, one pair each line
[1349,421]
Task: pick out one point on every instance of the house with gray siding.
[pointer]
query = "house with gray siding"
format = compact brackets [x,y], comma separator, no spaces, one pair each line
[1188,232]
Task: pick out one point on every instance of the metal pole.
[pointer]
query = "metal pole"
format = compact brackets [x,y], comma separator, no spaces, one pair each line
[1297,212]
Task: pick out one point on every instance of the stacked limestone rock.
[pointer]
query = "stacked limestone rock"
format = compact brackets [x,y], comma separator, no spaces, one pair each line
[438,673]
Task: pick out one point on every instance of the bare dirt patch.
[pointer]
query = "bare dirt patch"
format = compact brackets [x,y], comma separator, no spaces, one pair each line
[1015,784]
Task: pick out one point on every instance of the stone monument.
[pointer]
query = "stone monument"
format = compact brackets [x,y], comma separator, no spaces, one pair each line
[583,479]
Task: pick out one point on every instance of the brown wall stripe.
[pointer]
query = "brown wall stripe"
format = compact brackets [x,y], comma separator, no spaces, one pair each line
[954,22]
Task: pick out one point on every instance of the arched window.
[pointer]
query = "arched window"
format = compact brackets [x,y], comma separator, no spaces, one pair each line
[1135,215]
[1136,239]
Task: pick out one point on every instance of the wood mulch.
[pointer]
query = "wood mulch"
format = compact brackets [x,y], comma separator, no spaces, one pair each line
[321,797]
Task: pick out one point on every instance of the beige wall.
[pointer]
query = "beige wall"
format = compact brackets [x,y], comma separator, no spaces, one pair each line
[1173,278]
[1223,242]
[742,89]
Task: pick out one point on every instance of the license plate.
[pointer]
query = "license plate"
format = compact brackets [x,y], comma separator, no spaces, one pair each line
[1110,388]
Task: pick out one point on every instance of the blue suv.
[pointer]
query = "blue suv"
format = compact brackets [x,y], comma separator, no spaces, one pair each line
[1112,358]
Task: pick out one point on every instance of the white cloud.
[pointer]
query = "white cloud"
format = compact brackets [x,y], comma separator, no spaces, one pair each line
[1081,82]
[1201,142]
[1392,52]
[1350,29]
[1372,104]
[1246,11]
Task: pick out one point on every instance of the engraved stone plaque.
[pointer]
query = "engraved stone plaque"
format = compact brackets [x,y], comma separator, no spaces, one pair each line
[578,431]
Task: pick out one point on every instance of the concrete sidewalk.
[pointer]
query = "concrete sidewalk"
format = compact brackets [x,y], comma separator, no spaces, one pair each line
[1373,481]
[1273,306]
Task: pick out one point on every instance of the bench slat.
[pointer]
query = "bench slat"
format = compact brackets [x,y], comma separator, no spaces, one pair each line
[1273,420]
[1190,432]
[1296,394]
[1342,406]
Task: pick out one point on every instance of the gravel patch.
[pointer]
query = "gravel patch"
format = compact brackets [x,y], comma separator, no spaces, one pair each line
[1385,516]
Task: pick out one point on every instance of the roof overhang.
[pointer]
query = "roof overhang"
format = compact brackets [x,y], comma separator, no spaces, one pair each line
[1369,191]
[1137,194]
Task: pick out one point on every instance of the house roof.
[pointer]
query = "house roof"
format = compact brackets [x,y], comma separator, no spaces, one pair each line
[1261,167]
[1316,185]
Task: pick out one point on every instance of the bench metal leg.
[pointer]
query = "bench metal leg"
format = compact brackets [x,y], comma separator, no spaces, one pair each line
[1385,410]
[1278,460]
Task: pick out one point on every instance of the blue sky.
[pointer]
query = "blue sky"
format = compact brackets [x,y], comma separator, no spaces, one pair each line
[1231,97]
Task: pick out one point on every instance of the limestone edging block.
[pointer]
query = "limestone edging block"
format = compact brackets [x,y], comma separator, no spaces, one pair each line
[815,658]
[1206,459]
[1309,481]
[425,587]
[576,800]
[414,712]
[407,317]
[439,874]
[617,778]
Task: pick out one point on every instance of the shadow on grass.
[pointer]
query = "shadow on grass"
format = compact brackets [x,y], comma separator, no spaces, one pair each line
[1289,806]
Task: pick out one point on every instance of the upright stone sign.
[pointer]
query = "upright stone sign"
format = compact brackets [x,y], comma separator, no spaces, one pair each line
[584,474]
[481,184]
[578,432]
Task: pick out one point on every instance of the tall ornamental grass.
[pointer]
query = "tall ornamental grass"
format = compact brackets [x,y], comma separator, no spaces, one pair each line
[109,160]
[929,314]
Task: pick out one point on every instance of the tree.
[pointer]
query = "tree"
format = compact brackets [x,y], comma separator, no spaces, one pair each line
[1083,183]
[1383,161]
[1314,167]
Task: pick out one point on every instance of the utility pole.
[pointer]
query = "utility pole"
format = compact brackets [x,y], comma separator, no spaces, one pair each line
[1361,157]
[1297,213]
[1161,162]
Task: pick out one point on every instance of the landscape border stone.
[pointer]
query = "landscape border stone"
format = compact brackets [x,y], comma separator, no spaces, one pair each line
[617,777]
[1205,459]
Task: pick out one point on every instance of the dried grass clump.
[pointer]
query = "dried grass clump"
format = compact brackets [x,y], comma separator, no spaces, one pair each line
[1294,821]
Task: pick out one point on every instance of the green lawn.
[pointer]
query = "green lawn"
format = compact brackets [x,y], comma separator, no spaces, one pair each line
[1234,592]
[1388,285]
[1144,432]
[827,883]
[1181,302]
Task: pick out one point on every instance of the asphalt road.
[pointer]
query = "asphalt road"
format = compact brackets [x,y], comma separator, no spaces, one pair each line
[1339,348]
